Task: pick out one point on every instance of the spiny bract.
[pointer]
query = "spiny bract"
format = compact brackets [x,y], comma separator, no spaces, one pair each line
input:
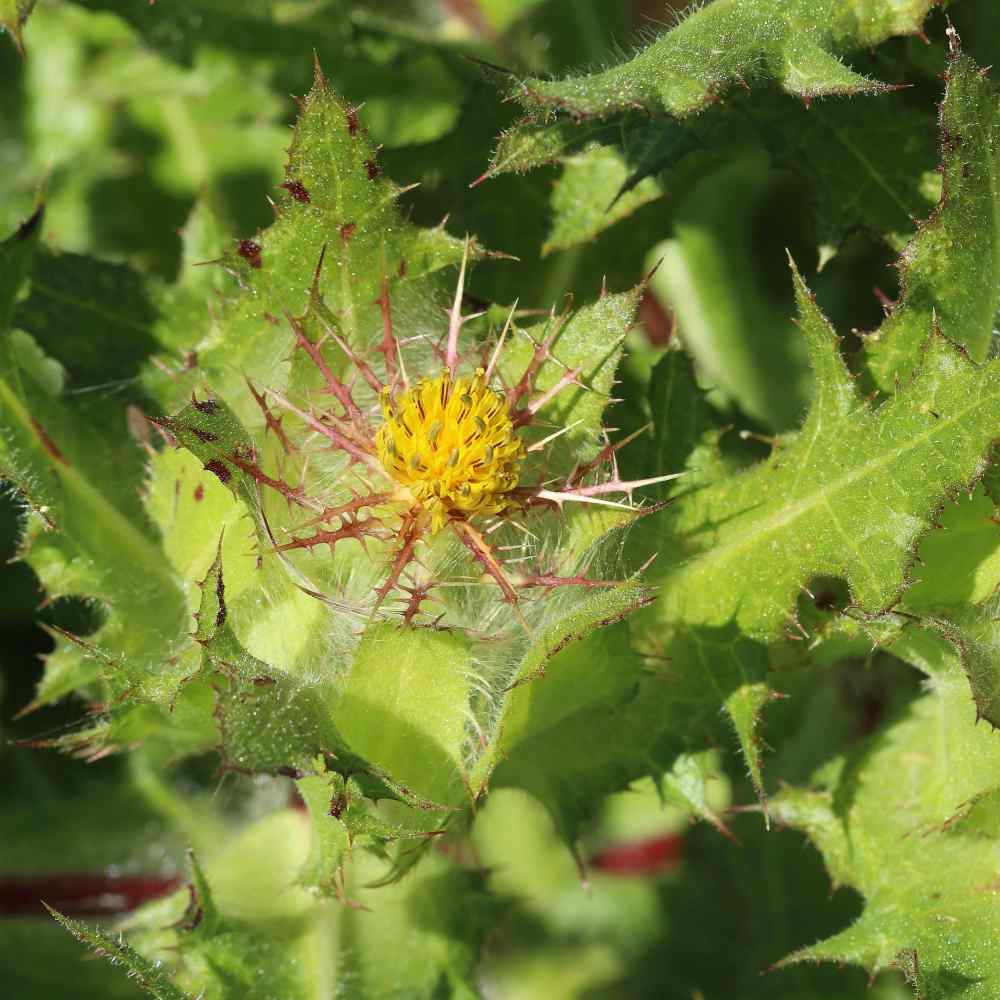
[448,454]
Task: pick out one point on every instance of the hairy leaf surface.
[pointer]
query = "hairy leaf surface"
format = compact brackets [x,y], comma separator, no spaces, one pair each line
[795,43]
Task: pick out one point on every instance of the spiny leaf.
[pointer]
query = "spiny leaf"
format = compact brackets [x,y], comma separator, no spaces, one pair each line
[211,432]
[149,977]
[591,340]
[741,549]
[343,821]
[907,818]
[566,670]
[950,268]
[272,718]
[269,719]
[865,172]
[74,459]
[973,632]
[338,222]
[849,496]
[651,709]
[796,43]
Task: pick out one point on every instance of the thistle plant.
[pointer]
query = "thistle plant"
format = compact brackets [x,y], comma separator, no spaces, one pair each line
[517,538]
[451,452]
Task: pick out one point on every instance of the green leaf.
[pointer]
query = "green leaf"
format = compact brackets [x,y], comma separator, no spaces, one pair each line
[966,634]
[906,817]
[591,340]
[338,221]
[960,560]
[949,269]
[848,496]
[569,668]
[17,256]
[421,937]
[210,431]
[692,784]
[75,460]
[404,706]
[274,717]
[529,144]
[149,977]
[591,195]
[739,336]
[865,171]
[343,821]
[653,706]
[270,719]
[609,171]
[796,43]
[77,306]
[685,429]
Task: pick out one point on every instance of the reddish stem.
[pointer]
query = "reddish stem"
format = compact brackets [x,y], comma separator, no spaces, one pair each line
[651,856]
[79,894]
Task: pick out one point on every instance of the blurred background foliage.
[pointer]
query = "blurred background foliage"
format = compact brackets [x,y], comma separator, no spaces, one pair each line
[123,116]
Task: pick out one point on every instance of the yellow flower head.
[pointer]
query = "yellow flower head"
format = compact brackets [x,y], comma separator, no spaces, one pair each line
[453,445]
[448,454]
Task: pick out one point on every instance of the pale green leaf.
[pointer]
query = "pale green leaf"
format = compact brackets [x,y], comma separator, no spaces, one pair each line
[907,818]
[403,706]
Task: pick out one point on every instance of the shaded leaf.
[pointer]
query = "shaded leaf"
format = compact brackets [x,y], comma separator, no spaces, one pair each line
[685,429]
[404,706]
[75,460]
[739,335]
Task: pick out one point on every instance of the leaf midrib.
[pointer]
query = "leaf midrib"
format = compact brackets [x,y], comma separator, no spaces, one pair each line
[791,512]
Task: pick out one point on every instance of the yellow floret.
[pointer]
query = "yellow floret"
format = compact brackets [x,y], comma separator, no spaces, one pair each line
[452,445]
